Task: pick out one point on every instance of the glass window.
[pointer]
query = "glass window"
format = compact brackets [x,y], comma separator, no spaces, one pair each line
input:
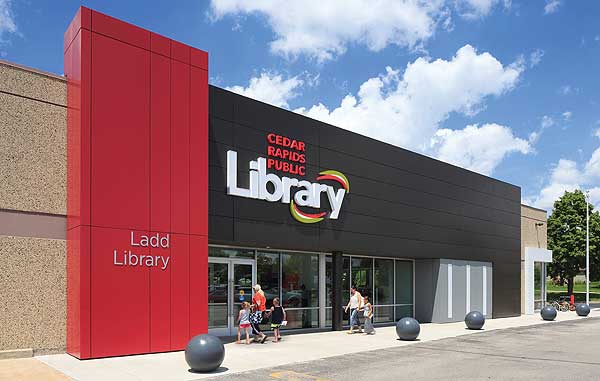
[217,295]
[300,289]
[229,252]
[538,284]
[384,281]
[404,283]
[384,290]
[328,280]
[302,318]
[404,311]
[328,317]
[267,274]
[362,275]
[345,280]
[300,280]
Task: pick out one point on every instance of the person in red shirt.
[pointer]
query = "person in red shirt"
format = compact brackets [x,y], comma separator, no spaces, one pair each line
[259,304]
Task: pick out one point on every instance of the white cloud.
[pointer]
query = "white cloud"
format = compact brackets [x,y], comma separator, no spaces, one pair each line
[476,9]
[546,123]
[406,108]
[567,90]
[323,30]
[592,167]
[567,115]
[7,21]
[270,88]
[551,6]
[480,149]
[536,57]
[567,175]
[564,177]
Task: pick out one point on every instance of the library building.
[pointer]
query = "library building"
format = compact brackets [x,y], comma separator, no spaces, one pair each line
[139,206]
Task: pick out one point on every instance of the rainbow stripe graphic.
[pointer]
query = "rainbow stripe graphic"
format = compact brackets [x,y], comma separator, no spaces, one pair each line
[311,218]
[335,176]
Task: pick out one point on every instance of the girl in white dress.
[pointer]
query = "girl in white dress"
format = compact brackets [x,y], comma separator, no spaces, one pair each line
[368,314]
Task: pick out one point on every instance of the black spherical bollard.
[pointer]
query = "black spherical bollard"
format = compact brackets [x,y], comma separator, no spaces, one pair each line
[204,353]
[548,313]
[582,309]
[474,320]
[408,329]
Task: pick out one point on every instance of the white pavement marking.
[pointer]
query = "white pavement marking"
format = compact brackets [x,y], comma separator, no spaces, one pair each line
[292,349]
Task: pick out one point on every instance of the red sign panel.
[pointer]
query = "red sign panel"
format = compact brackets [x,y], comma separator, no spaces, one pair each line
[137,189]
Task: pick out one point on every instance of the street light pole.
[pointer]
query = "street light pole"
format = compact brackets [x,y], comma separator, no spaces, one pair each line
[587,248]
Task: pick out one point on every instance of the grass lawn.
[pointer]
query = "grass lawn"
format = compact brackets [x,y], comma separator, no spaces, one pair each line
[554,291]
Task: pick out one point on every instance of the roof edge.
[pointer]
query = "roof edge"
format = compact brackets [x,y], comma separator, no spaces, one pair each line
[32,70]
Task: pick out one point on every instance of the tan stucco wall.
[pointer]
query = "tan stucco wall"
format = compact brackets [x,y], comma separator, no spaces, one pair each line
[33,159]
[33,294]
[531,236]
[32,185]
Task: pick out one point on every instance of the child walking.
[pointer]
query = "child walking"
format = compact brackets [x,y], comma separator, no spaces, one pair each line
[277,314]
[244,322]
[368,313]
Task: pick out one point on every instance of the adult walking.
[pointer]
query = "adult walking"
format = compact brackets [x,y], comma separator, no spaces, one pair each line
[355,304]
[259,302]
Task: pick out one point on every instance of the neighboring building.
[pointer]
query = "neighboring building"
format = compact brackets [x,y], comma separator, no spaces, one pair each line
[33,206]
[534,256]
[183,195]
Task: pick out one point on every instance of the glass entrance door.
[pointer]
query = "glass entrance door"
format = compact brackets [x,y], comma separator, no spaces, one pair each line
[229,284]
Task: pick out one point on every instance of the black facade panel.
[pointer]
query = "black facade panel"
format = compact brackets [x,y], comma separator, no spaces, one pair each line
[401,204]
[388,174]
[221,103]
[338,139]
[220,229]
[220,131]
[429,200]
[360,204]
[252,233]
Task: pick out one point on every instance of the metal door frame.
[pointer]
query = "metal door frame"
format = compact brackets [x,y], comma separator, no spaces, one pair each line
[231,328]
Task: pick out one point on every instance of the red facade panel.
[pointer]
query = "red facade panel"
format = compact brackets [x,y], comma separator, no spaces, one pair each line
[73,291]
[120,134]
[160,144]
[180,147]
[134,162]
[198,282]
[198,151]
[120,294]
[160,44]
[82,20]
[77,65]
[119,30]
[78,304]
[160,302]
[180,291]
[180,52]
[199,59]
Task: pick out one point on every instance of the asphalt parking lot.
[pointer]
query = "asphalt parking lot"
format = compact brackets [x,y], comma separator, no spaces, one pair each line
[564,350]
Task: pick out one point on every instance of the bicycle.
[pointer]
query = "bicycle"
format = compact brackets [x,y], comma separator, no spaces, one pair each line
[560,305]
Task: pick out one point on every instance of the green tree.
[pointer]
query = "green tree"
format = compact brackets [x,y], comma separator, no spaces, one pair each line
[566,238]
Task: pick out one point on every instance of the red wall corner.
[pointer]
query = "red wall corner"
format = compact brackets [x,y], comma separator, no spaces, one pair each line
[137,152]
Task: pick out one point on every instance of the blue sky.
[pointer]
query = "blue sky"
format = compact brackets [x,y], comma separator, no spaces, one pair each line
[506,88]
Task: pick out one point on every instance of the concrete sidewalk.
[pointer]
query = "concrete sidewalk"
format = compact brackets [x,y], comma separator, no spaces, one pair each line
[295,348]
